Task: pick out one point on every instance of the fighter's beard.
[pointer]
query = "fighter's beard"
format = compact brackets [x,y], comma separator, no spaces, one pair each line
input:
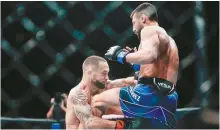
[138,35]
[99,84]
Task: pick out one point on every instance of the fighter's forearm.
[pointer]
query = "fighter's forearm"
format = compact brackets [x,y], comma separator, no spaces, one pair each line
[130,81]
[63,108]
[118,83]
[50,112]
[141,57]
[99,123]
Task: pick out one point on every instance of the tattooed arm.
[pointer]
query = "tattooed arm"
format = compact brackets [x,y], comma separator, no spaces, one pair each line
[83,112]
[72,122]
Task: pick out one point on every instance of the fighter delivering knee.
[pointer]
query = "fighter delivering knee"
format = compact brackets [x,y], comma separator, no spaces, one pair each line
[153,99]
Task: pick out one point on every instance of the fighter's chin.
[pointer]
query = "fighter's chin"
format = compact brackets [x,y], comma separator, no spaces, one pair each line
[99,85]
[137,34]
[103,82]
[139,37]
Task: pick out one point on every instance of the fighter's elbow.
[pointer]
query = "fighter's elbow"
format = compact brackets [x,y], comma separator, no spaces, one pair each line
[153,58]
[90,124]
[148,59]
[142,61]
[49,115]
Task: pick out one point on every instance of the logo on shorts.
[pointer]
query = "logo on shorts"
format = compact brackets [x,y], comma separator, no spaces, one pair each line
[163,85]
[134,95]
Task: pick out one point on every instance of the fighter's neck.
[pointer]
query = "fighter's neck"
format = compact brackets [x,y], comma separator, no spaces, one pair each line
[153,23]
[86,86]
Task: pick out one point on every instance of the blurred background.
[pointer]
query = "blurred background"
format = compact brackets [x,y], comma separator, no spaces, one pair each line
[43,45]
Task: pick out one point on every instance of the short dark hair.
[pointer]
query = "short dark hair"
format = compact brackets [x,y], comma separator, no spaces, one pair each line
[92,61]
[147,9]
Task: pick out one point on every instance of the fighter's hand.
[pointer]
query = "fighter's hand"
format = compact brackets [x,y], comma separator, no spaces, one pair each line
[52,100]
[116,53]
[130,50]
[136,67]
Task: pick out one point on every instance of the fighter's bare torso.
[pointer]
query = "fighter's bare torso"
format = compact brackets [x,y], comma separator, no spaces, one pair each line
[166,66]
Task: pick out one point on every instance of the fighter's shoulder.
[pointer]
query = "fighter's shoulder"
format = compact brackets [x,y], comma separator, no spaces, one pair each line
[148,30]
[153,29]
[73,90]
[78,93]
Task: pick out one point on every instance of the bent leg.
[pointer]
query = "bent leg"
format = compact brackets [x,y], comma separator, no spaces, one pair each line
[108,100]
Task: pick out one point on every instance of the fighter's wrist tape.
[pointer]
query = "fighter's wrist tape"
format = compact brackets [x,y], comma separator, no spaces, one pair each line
[121,57]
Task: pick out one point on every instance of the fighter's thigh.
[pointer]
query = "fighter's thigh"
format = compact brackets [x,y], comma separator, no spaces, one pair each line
[109,97]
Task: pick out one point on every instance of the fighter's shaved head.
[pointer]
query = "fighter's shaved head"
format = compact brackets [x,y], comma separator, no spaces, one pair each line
[93,62]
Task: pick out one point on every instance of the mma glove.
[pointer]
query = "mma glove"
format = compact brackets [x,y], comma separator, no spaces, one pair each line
[116,53]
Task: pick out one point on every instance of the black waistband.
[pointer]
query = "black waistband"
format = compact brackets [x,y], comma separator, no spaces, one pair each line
[161,85]
[153,80]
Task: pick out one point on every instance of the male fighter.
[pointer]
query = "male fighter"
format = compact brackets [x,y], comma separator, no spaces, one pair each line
[152,102]
[79,113]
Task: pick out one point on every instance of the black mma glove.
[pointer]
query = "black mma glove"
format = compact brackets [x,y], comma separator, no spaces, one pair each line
[116,53]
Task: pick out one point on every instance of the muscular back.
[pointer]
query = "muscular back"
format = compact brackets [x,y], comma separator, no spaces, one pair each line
[167,64]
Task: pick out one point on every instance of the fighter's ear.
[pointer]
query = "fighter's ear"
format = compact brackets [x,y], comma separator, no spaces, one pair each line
[89,70]
[144,18]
